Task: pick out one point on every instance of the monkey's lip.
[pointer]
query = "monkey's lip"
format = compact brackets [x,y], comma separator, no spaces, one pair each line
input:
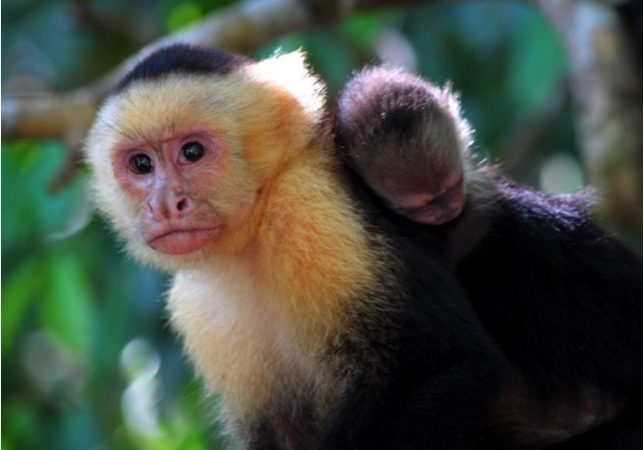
[445,207]
[435,215]
[182,240]
[442,210]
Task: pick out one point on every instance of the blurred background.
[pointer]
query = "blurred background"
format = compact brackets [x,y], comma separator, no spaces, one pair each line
[88,359]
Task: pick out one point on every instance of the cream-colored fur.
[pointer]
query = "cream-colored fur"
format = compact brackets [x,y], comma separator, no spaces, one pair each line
[259,308]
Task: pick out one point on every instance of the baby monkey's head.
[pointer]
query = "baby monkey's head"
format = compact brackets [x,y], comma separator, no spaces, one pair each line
[407,139]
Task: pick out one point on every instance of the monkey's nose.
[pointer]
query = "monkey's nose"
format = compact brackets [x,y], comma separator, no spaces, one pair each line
[182,205]
[169,207]
[179,207]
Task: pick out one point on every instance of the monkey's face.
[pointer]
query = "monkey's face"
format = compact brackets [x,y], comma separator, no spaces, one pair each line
[173,179]
[169,169]
[429,192]
[180,162]
[432,206]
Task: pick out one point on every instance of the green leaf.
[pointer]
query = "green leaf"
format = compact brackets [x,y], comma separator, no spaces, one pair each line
[182,15]
[17,294]
[537,64]
[363,28]
[67,307]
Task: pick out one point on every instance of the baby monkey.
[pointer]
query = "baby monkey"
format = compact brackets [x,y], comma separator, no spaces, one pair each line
[527,260]
[406,138]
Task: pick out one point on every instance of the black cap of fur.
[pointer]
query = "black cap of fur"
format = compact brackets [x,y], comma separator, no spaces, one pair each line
[182,58]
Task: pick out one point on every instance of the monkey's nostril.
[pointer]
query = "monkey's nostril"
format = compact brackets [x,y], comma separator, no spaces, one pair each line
[182,204]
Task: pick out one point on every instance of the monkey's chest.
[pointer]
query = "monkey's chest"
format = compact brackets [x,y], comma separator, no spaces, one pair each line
[266,371]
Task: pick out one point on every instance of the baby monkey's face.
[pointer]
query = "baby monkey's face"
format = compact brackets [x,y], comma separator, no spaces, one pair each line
[428,199]
[427,204]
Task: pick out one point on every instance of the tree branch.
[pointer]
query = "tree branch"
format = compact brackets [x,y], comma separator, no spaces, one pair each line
[242,27]
[604,83]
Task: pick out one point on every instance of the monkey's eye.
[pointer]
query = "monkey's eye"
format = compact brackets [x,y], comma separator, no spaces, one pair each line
[141,164]
[193,151]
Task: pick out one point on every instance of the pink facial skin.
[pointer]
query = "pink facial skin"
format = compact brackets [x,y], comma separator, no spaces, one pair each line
[435,208]
[170,179]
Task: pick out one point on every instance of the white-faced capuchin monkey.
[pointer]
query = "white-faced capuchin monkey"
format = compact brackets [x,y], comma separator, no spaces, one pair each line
[319,324]
[561,297]
[324,321]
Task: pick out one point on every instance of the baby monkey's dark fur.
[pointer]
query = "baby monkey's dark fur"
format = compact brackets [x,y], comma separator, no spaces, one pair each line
[559,295]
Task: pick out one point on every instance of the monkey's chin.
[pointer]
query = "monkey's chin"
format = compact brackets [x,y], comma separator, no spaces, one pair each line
[183,241]
[436,215]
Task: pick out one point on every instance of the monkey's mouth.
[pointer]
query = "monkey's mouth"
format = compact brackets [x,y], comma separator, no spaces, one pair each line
[443,208]
[179,241]
[436,213]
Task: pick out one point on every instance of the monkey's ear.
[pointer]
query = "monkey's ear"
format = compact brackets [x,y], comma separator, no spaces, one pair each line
[290,72]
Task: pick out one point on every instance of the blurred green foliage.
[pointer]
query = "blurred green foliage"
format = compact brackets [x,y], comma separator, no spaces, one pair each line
[88,359]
